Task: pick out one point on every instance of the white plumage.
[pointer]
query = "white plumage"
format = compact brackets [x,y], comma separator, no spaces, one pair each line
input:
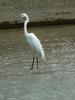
[35,45]
[33,42]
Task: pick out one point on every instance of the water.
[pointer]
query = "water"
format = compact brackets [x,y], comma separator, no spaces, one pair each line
[55,80]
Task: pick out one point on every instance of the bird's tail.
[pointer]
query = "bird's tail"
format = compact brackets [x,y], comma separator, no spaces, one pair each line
[43,57]
[44,60]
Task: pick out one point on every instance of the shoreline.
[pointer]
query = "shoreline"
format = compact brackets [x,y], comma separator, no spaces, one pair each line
[15,24]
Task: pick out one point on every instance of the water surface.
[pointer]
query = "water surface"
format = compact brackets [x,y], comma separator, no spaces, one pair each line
[54,80]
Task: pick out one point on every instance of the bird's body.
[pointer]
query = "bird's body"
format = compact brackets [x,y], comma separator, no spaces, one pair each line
[33,42]
[35,45]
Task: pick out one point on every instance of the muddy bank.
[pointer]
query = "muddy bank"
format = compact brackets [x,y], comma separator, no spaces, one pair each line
[40,12]
[14,24]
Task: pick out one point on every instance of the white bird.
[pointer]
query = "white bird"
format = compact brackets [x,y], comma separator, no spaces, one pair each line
[33,42]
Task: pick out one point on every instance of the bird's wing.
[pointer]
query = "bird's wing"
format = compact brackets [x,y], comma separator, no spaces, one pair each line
[35,44]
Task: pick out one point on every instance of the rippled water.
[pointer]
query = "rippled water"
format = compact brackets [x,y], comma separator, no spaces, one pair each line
[55,80]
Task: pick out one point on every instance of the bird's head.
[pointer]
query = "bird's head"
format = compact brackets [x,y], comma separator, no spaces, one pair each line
[24,15]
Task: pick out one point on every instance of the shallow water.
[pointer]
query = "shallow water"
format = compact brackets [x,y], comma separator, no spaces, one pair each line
[55,80]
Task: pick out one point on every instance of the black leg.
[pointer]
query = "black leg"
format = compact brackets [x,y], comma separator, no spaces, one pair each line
[33,62]
[37,62]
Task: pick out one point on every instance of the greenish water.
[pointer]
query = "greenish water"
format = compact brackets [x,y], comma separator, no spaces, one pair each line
[54,80]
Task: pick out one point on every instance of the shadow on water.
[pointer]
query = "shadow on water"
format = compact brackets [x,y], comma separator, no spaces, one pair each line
[42,71]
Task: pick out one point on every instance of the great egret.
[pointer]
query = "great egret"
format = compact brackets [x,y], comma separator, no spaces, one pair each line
[33,42]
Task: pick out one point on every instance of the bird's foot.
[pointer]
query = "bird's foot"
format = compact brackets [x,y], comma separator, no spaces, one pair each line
[37,68]
[31,68]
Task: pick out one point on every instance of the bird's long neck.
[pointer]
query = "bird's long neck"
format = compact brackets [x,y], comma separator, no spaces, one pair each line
[25,27]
